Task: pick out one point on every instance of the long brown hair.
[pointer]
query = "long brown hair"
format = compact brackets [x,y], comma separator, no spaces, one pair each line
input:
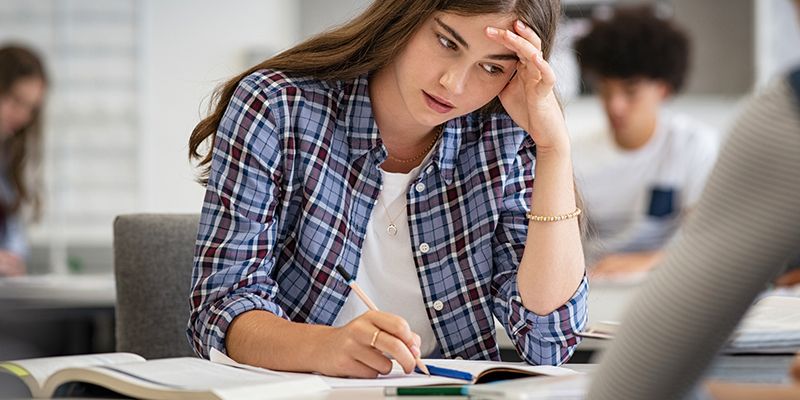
[21,152]
[368,43]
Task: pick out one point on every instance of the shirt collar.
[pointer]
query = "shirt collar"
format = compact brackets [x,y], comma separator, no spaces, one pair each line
[363,135]
[362,131]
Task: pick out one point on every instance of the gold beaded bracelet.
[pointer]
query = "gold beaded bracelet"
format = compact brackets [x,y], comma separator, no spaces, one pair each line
[543,218]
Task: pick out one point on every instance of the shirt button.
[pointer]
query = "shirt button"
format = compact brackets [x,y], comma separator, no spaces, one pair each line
[438,305]
[424,248]
[420,187]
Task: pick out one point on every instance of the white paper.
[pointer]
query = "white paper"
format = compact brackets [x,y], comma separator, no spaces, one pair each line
[398,378]
[771,325]
[535,388]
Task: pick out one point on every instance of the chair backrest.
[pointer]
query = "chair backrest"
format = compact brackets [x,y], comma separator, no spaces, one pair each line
[153,270]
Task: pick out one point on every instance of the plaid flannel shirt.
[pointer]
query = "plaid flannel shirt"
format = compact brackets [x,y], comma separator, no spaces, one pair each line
[294,178]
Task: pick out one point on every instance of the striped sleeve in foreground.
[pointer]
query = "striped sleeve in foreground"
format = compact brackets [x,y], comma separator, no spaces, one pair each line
[745,226]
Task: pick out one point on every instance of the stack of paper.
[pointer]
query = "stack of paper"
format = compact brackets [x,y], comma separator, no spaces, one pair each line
[772,325]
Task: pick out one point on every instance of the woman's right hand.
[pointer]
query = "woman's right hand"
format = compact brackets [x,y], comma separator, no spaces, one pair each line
[347,351]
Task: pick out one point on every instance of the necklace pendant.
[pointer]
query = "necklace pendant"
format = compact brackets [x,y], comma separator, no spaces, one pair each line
[391,230]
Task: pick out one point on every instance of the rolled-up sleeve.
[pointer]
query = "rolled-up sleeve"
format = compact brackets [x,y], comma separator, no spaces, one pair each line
[234,254]
[539,339]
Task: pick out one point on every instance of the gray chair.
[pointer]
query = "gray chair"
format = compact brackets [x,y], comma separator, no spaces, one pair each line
[153,269]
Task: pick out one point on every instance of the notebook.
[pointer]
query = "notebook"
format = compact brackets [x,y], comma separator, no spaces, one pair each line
[481,371]
[114,374]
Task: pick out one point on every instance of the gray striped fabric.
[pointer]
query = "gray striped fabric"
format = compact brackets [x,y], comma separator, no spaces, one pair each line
[743,230]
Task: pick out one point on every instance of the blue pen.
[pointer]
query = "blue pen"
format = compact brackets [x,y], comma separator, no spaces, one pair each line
[448,373]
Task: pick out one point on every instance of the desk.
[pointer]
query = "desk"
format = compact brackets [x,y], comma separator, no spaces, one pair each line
[57,291]
[45,315]
[606,302]
[755,369]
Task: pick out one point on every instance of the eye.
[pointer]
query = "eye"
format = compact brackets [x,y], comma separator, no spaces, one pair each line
[492,69]
[446,43]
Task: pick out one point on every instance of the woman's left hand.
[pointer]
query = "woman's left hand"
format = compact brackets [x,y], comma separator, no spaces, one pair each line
[529,97]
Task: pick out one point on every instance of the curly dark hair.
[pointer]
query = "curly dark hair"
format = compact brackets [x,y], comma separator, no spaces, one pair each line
[633,43]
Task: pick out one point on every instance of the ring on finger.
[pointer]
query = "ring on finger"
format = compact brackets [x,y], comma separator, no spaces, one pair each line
[374,337]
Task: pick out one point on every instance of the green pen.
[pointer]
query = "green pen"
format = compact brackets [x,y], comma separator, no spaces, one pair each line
[426,391]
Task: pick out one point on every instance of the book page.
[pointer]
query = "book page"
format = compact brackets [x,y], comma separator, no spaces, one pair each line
[41,368]
[190,374]
[772,314]
[771,325]
[188,377]
[397,378]
[476,367]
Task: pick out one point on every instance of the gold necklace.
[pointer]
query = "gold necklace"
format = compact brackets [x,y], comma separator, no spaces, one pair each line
[420,155]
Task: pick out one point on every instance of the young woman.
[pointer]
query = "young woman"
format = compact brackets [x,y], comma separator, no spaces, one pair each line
[402,146]
[22,88]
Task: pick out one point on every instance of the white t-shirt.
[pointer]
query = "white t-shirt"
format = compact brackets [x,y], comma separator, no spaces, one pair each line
[634,199]
[387,272]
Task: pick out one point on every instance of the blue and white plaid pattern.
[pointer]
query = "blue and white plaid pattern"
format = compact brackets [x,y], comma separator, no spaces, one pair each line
[293,181]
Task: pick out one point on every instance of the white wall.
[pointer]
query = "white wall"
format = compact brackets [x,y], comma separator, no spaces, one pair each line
[319,15]
[777,38]
[190,46]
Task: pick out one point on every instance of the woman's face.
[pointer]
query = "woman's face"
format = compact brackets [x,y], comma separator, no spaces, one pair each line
[451,68]
[19,105]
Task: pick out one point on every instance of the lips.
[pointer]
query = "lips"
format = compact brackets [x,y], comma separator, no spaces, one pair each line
[438,104]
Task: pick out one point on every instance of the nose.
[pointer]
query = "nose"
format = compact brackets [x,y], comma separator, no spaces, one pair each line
[455,79]
[616,105]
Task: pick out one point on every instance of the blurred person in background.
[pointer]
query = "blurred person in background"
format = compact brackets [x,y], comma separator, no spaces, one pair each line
[640,178]
[744,228]
[23,83]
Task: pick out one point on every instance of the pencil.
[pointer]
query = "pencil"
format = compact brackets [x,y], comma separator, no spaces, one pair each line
[363,296]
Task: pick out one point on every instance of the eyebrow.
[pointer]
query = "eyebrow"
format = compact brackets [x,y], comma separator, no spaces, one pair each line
[462,42]
[455,34]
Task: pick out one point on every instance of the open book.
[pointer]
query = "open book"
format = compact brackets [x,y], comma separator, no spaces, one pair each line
[169,378]
[481,371]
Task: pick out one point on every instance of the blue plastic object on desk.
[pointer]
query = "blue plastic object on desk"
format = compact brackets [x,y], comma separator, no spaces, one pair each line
[448,373]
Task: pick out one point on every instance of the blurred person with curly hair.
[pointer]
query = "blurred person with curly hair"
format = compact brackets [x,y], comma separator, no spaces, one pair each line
[641,177]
